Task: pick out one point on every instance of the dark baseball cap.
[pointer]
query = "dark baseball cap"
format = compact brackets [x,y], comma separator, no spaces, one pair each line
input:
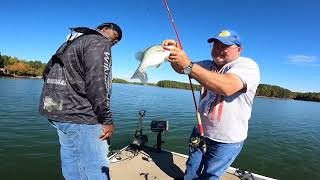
[112,26]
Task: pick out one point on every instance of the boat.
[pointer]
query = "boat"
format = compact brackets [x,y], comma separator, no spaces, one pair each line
[139,161]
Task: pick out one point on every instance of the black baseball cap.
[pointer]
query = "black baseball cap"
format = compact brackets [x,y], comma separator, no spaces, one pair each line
[112,26]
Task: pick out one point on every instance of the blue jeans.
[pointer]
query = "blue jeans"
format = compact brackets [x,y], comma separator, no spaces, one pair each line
[83,155]
[213,164]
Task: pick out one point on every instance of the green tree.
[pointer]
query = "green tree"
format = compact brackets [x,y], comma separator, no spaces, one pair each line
[178,85]
[117,80]
[21,67]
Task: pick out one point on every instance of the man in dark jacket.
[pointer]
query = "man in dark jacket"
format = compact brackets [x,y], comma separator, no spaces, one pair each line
[76,100]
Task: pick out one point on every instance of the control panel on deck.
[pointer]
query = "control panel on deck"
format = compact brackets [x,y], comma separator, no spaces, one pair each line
[159,126]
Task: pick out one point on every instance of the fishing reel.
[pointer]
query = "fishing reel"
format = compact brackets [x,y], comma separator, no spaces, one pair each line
[198,142]
[194,142]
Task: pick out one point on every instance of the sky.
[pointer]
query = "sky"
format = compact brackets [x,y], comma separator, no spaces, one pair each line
[282,36]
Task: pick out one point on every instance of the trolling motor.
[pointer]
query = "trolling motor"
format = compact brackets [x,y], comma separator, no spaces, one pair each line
[159,126]
[139,138]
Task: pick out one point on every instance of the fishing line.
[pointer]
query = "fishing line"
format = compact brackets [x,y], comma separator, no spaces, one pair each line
[200,127]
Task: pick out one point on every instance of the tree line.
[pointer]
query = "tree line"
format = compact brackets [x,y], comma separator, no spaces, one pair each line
[178,85]
[279,92]
[274,91]
[16,67]
[264,90]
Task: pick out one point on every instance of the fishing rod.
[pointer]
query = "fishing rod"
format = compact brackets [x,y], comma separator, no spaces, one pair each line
[200,127]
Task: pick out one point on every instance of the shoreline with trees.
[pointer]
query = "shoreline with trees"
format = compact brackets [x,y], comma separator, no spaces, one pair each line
[13,67]
[16,68]
[264,90]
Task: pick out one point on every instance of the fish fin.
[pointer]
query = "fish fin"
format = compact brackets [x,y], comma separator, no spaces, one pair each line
[157,65]
[142,75]
[139,55]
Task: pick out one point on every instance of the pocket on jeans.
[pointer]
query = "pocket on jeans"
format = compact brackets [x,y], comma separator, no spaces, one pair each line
[222,150]
[70,128]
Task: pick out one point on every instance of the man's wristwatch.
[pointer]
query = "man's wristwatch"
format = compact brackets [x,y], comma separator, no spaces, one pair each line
[188,69]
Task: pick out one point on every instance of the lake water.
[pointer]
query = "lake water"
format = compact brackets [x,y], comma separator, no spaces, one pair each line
[283,142]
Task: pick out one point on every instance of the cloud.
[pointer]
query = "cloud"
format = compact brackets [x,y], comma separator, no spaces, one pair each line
[302,59]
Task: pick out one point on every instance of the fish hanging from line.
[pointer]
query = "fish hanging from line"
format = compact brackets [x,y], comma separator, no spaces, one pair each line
[153,56]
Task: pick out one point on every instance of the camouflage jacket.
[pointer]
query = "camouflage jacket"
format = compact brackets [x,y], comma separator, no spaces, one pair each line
[78,90]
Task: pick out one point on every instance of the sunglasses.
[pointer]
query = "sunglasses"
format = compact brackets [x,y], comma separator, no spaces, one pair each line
[116,35]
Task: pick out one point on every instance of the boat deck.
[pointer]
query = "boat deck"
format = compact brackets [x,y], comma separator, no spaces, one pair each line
[148,164]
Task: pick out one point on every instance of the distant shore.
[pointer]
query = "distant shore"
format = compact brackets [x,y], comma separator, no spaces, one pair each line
[267,97]
[263,91]
[12,67]
[20,77]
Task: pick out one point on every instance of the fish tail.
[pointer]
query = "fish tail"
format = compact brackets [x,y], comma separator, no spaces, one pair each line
[142,75]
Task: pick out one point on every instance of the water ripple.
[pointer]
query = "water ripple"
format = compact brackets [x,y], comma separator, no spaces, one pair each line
[283,139]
